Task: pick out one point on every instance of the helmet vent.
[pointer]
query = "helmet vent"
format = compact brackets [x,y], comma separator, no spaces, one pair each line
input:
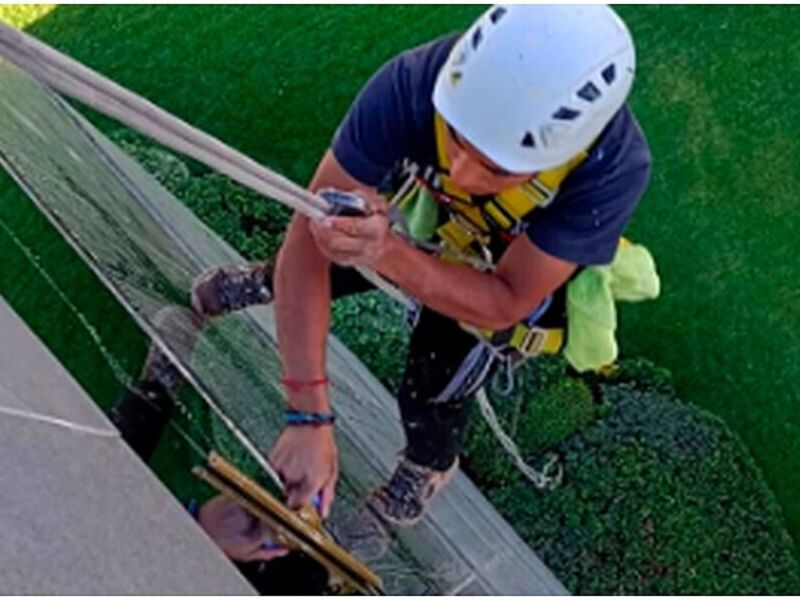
[477,37]
[497,14]
[609,74]
[589,92]
[528,141]
[566,114]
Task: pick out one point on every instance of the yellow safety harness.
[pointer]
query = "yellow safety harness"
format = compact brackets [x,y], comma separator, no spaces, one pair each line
[474,225]
[475,220]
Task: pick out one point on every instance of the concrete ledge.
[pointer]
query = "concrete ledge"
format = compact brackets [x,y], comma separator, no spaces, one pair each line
[80,514]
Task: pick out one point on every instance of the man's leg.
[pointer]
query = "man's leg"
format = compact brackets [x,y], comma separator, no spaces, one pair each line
[141,415]
[143,412]
[226,289]
[434,420]
[445,366]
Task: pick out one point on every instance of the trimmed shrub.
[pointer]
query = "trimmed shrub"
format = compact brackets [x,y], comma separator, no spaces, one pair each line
[249,222]
[643,375]
[659,498]
[545,407]
[373,327]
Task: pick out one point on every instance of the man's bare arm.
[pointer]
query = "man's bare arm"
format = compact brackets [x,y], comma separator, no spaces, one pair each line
[302,295]
[306,457]
[523,278]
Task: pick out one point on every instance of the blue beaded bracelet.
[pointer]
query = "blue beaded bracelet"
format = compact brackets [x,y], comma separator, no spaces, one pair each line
[299,417]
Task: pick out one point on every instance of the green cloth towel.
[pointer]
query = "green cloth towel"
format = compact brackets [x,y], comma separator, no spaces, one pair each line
[591,310]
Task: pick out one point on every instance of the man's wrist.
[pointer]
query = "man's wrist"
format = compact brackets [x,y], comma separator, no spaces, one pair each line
[304,418]
[308,400]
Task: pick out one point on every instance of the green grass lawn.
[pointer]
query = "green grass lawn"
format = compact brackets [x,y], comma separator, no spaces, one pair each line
[716,96]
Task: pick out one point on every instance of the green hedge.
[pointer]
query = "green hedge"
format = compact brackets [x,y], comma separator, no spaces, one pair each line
[563,405]
[659,497]
[242,217]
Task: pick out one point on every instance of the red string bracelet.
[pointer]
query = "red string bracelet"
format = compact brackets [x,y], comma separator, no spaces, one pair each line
[297,385]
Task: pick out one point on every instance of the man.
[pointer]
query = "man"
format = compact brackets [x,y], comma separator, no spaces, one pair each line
[518,133]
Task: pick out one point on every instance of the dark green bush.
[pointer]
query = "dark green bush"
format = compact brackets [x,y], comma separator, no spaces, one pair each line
[643,375]
[545,407]
[659,498]
[252,224]
[373,327]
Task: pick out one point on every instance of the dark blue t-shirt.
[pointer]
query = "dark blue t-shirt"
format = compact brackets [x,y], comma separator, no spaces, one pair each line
[392,119]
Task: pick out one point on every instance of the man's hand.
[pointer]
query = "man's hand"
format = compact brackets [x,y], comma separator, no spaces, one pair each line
[307,460]
[238,534]
[354,241]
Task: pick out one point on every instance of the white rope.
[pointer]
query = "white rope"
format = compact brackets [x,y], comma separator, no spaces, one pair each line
[541,479]
[77,81]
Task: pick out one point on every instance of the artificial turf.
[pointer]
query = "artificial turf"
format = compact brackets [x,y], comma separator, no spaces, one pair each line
[715,95]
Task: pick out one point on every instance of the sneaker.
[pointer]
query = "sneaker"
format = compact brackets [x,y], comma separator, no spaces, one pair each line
[404,499]
[221,290]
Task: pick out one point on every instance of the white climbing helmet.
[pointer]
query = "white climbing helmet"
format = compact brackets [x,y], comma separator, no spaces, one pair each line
[530,86]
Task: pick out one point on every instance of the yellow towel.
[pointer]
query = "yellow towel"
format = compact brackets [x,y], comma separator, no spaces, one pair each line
[591,310]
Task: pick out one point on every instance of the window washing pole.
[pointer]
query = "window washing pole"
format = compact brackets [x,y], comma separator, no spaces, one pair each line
[77,81]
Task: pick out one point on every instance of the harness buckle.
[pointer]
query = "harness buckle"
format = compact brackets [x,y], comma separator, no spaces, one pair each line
[533,340]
